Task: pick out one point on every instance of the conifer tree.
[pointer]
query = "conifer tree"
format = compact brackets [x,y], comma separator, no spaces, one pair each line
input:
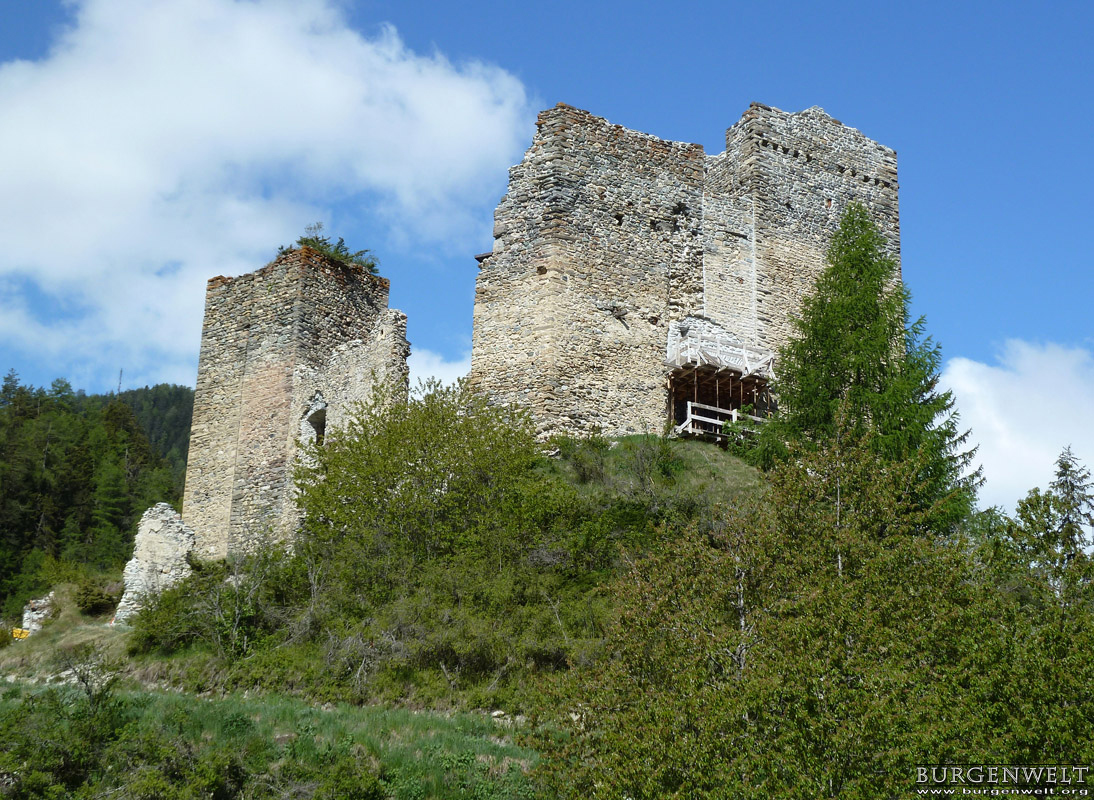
[1075,492]
[1047,538]
[859,366]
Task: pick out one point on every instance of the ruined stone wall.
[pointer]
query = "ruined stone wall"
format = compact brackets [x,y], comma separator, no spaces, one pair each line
[730,289]
[214,431]
[596,246]
[798,172]
[607,235]
[158,562]
[285,351]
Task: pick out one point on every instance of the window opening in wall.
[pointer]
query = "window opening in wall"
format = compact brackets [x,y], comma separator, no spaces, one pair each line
[318,421]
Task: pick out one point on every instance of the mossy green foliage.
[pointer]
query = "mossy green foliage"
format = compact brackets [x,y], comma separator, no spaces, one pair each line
[824,642]
[445,558]
[71,742]
[313,237]
[76,473]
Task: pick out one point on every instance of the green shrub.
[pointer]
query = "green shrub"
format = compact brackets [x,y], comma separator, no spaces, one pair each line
[314,239]
[443,559]
[346,780]
[169,621]
[93,598]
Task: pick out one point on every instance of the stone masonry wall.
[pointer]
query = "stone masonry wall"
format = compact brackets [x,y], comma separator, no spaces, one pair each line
[285,350]
[607,235]
[158,562]
[800,171]
[596,246]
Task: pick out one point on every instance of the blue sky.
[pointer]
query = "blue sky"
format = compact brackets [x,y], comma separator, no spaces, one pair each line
[145,147]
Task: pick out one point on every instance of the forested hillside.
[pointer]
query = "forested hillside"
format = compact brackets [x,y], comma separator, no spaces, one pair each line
[76,473]
[164,412]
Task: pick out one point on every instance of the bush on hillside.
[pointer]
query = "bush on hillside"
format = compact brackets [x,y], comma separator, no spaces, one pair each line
[824,642]
[94,597]
[443,555]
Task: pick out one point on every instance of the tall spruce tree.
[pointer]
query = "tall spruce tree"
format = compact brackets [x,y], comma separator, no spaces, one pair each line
[858,366]
[1046,541]
[823,642]
[1075,491]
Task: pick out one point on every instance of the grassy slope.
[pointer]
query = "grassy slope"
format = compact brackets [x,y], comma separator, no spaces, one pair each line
[418,753]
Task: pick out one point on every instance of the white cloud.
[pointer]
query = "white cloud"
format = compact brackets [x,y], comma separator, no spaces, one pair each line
[162,143]
[425,364]
[1023,410]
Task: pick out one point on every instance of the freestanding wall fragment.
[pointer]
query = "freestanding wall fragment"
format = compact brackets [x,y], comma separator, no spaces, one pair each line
[159,558]
[285,352]
[610,243]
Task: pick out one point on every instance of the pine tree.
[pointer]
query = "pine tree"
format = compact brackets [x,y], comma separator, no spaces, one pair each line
[1075,492]
[858,366]
[1047,538]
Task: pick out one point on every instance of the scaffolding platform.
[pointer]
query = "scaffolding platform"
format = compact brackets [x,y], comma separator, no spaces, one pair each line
[715,378]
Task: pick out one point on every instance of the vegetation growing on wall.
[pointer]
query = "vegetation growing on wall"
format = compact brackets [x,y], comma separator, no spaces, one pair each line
[313,237]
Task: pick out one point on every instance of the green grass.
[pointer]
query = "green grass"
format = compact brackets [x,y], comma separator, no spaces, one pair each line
[288,744]
[645,465]
[628,496]
[35,657]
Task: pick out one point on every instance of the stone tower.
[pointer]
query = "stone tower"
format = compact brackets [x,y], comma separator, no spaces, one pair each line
[285,351]
[630,274]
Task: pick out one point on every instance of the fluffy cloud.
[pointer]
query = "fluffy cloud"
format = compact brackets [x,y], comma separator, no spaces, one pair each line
[425,364]
[1023,410]
[159,144]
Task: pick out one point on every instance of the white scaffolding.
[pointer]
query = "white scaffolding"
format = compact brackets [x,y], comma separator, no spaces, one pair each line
[697,342]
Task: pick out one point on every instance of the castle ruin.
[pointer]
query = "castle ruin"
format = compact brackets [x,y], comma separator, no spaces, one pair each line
[285,353]
[632,275]
[632,281]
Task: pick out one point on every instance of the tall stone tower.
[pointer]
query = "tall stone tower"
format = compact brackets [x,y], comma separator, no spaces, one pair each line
[285,351]
[631,274]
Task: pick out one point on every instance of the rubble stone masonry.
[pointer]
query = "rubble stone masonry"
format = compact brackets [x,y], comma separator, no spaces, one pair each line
[607,236]
[285,352]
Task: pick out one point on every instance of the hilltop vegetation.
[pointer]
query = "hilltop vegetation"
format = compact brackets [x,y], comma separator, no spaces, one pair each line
[426,596]
[657,619]
[445,559]
[671,625]
[830,639]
